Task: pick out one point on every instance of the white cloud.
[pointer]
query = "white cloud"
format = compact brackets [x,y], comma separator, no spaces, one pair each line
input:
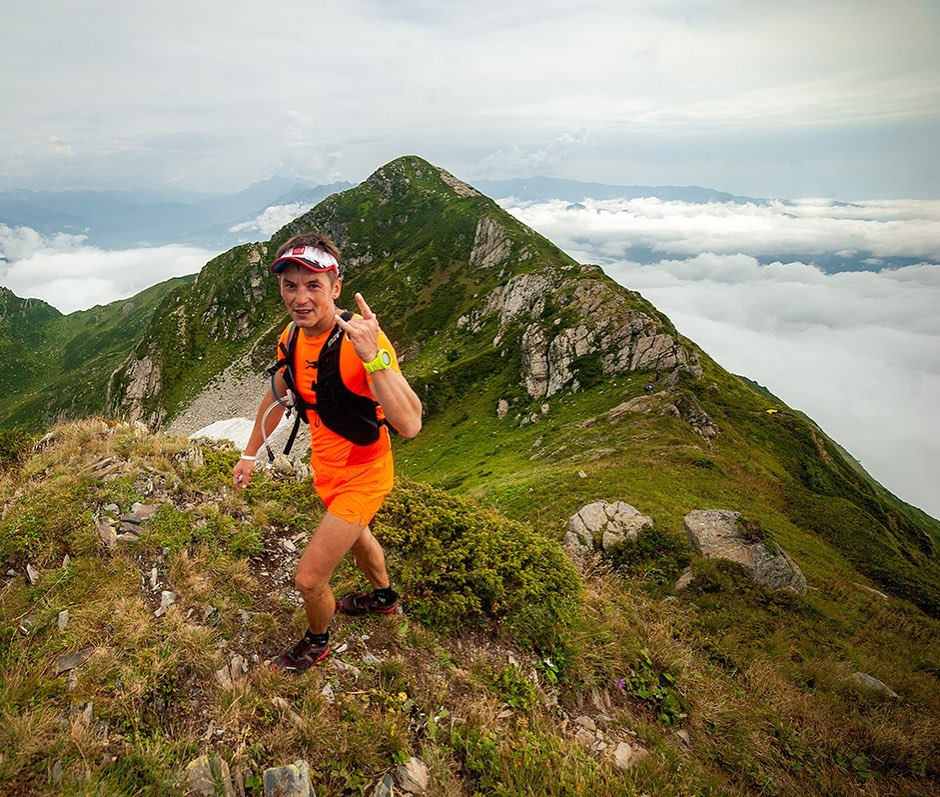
[70,276]
[859,352]
[273,218]
[884,228]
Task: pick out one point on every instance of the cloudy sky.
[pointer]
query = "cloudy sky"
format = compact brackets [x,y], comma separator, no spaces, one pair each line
[803,98]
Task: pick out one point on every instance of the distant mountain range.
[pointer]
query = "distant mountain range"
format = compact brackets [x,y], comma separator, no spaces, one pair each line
[542,189]
[121,219]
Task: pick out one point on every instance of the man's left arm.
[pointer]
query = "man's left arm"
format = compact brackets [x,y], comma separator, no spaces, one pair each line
[400,403]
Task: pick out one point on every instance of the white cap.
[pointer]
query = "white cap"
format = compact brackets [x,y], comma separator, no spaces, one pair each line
[309,257]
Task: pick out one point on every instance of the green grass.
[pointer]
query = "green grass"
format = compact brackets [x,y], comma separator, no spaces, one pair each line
[502,645]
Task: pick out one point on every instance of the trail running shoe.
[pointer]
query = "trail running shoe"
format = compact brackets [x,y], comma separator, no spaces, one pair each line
[301,656]
[359,603]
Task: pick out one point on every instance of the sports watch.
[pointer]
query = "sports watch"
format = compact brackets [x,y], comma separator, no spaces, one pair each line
[382,361]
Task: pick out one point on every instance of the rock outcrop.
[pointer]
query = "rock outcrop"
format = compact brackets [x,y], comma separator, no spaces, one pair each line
[722,534]
[141,379]
[603,525]
[605,329]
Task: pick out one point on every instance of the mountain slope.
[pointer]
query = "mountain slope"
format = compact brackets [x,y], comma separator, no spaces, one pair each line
[535,370]
[546,386]
[54,365]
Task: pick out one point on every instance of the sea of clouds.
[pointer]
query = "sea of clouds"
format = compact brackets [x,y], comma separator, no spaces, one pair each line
[859,351]
[64,271]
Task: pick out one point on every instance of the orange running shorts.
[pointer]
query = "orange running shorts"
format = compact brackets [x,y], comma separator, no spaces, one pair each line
[355,492]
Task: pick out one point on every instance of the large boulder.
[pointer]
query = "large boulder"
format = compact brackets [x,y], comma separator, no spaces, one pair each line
[722,534]
[604,525]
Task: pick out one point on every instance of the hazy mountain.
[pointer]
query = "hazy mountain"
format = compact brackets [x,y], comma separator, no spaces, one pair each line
[119,219]
[542,189]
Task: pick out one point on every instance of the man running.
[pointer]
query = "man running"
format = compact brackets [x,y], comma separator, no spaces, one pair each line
[346,373]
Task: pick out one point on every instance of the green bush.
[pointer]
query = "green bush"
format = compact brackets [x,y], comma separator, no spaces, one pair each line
[460,565]
[653,555]
[15,446]
[50,519]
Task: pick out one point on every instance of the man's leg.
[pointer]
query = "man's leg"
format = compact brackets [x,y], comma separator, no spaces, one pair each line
[329,544]
[371,558]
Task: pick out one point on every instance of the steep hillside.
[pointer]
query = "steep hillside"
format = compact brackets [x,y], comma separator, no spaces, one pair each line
[638,667]
[54,365]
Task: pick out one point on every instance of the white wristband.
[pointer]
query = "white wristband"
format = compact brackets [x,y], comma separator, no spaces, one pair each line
[248,457]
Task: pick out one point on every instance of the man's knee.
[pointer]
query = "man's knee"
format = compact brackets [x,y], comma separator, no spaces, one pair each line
[310,583]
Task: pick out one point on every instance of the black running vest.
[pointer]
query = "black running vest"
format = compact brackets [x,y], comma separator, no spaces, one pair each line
[339,409]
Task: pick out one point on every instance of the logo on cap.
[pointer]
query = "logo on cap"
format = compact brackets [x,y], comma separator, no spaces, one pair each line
[298,251]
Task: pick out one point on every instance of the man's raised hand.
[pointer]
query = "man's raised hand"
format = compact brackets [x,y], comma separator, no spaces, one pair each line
[362,332]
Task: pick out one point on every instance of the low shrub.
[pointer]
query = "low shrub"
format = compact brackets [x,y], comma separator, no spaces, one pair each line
[653,555]
[50,519]
[15,447]
[461,565]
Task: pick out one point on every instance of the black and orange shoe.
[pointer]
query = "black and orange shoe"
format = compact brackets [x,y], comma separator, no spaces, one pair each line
[301,656]
[359,603]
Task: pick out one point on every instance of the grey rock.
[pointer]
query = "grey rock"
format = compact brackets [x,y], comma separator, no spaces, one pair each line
[72,660]
[602,524]
[413,776]
[32,574]
[106,533]
[502,408]
[718,534]
[491,245]
[209,777]
[691,411]
[292,780]
[584,738]
[167,599]
[143,512]
[342,666]
[48,439]
[625,755]
[385,787]
[685,578]
[874,684]
[63,619]
[586,722]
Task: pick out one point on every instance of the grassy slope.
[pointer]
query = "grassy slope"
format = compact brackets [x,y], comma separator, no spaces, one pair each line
[59,365]
[762,683]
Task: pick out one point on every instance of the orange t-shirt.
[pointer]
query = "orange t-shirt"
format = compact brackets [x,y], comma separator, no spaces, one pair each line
[328,447]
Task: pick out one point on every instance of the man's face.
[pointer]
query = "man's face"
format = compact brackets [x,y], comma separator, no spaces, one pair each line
[310,298]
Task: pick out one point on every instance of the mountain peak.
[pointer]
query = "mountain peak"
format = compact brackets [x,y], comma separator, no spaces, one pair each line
[413,171]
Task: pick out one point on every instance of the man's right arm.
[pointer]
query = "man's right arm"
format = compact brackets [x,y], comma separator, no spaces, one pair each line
[241,475]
